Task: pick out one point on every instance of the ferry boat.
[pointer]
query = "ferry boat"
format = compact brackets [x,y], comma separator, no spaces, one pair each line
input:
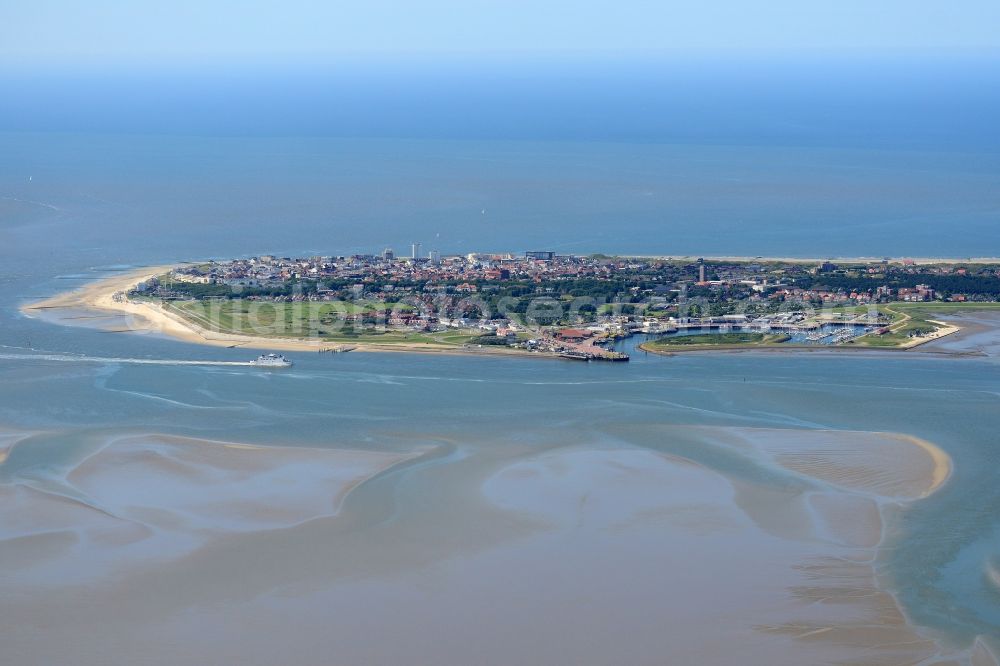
[584,356]
[271,361]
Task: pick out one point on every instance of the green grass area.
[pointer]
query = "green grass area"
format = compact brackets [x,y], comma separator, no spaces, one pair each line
[912,318]
[940,307]
[714,340]
[316,320]
[848,310]
[281,318]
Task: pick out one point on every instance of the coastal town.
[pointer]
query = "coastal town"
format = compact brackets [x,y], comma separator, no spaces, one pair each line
[569,305]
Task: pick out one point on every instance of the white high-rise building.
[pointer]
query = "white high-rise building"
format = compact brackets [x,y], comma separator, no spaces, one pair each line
[435,257]
[416,251]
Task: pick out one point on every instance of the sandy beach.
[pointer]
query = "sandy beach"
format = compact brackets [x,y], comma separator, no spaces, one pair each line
[977,333]
[139,316]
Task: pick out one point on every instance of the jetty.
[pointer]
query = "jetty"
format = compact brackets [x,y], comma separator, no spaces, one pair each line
[342,349]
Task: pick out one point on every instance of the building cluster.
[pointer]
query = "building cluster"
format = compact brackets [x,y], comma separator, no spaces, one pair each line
[388,277]
[919,293]
[464,273]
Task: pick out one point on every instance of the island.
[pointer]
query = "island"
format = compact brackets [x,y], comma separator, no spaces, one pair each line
[541,303]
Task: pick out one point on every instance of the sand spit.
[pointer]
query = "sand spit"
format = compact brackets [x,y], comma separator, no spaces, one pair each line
[889,466]
[978,334]
[147,317]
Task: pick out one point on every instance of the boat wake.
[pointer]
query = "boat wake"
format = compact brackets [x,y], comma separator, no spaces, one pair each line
[72,358]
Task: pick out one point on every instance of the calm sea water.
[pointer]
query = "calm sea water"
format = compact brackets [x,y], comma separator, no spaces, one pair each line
[75,207]
[145,198]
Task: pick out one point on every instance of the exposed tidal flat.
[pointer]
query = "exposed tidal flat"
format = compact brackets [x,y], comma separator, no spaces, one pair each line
[696,542]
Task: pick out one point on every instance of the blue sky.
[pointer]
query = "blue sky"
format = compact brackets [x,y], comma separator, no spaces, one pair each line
[57,31]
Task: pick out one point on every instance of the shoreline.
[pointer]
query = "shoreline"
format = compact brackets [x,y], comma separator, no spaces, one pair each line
[943,468]
[147,317]
[99,295]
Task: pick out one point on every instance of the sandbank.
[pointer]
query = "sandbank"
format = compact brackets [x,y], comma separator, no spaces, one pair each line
[646,543]
[141,497]
[813,534]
